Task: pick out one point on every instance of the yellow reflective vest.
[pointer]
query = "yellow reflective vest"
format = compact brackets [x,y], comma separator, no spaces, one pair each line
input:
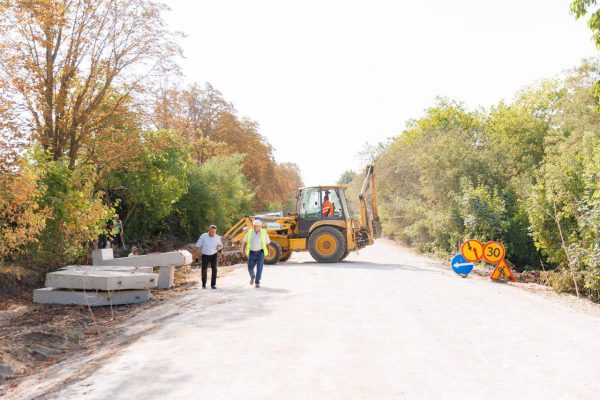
[263,236]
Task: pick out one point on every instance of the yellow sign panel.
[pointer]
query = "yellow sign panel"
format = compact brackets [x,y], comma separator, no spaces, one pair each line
[472,250]
[502,273]
[493,252]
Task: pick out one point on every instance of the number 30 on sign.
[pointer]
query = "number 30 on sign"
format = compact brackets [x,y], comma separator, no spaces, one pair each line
[493,252]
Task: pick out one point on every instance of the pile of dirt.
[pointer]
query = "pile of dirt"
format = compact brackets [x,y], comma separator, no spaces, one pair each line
[224,259]
[522,277]
[14,279]
[529,277]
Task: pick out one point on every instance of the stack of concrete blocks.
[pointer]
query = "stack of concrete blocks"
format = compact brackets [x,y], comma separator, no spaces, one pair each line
[111,281]
[85,285]
[166,262]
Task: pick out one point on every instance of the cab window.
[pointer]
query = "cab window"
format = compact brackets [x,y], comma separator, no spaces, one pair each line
[334,200]
[310,205]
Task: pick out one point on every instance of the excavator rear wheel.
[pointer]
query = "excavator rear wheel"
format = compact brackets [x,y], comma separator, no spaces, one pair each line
[274,255]
[327,245]
[345,255]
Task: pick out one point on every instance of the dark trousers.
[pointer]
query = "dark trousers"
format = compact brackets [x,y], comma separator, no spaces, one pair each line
[213,265]
[256,259]
[118,240]
[102,241]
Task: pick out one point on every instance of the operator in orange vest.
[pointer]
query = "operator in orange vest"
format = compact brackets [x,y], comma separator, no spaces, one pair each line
[327,207]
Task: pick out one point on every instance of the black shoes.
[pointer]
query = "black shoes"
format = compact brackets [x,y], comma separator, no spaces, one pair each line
[251,281]
[257,285]
[213,287]
[203,286]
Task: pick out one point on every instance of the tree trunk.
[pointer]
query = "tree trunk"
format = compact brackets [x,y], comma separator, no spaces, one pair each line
[564,247]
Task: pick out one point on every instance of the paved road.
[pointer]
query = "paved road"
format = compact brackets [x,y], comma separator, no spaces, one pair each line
[384,324]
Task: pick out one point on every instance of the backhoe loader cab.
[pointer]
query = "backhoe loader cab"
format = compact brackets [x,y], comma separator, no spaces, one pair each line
[322,224]
[309,206]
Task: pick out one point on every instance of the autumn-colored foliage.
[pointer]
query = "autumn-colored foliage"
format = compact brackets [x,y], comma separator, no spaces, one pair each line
[22,218]
[211,126]
[71,68]
[88,127]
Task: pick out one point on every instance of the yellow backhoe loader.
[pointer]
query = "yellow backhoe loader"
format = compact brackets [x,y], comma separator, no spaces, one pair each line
[329,238]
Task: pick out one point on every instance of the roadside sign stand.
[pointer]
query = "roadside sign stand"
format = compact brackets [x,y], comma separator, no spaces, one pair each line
[461,266]
[502,273]
[472,250]
[493,253]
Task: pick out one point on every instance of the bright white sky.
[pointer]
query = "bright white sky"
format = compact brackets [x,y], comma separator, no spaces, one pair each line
[323,77]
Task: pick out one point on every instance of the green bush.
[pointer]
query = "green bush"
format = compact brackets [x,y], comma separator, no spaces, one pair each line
[217,193]
[77,209]
[145,195]
[512,173]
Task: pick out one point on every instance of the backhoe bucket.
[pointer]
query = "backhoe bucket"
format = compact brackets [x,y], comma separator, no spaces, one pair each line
[232,239]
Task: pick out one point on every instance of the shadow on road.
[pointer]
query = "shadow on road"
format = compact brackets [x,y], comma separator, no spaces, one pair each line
[236,304]
[272,290]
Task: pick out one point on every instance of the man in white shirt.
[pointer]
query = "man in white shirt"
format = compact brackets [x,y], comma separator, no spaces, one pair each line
[256,241]
[209,244]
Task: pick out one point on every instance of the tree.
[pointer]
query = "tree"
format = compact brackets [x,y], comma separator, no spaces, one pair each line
[346,177]
[71,67]
[243,136]
[22,218]
[194,113]
[289,180]
[210,124]
[420,172]
[484,211]
[217,193]
[77,209]
[146,195]
[580,8]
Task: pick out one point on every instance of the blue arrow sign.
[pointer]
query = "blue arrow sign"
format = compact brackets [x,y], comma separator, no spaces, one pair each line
[460,265]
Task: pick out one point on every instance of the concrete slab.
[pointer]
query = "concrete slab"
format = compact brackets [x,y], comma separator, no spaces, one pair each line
[101,254]
[171,258]
[147,270]
[100,280]
[93,298]
[166,277]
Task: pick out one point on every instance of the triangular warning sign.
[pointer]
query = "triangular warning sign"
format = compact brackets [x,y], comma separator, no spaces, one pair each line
[502,273]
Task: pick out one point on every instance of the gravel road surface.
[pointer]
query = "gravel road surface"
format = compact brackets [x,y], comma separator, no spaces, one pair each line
[383,324]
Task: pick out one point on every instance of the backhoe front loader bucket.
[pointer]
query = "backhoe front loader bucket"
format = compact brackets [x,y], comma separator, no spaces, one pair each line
[232,239]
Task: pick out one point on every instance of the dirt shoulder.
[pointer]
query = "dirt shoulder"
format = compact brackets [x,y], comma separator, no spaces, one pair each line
[36,337]
[528,280]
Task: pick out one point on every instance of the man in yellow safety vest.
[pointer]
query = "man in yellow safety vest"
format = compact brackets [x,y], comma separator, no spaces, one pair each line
[256,241]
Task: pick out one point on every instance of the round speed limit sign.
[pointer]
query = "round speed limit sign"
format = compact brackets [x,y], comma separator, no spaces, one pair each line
[493,252]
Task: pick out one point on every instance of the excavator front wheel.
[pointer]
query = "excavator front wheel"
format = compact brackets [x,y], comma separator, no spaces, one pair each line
[285,255]
[327,245]
[274,255]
